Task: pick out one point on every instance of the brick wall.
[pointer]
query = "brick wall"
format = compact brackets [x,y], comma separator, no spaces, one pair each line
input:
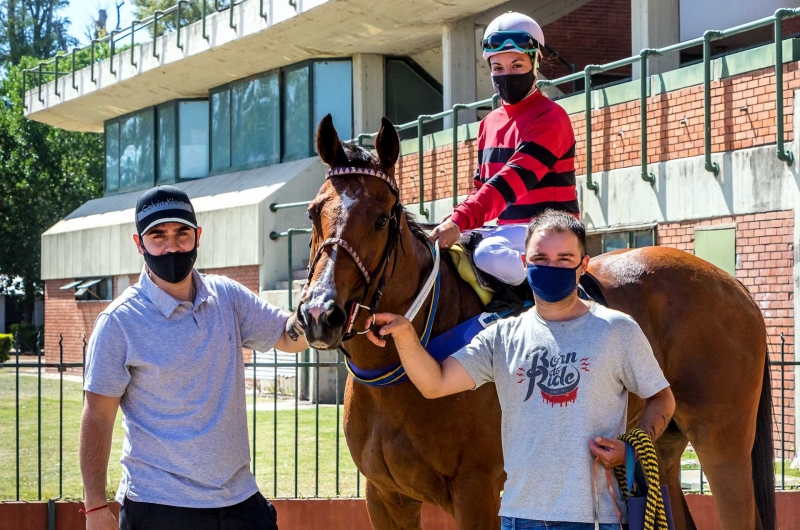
[675,125]
[764,264]
[596,33]
[62,314]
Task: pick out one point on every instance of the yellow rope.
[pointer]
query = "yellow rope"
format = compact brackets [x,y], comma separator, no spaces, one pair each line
[655,518]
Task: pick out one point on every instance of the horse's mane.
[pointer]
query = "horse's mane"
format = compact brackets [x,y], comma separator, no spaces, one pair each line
[360,157]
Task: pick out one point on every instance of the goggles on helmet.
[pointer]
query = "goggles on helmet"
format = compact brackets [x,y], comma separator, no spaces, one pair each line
[519,40]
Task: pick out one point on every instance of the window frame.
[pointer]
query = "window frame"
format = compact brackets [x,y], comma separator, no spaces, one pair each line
[118,120]
[629,230]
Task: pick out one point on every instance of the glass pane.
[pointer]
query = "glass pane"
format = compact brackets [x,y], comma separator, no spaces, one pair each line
[193,129]
[333,93]
[643,238]
[296,131]
[136,161]
[615,241]
[166,143]
[594,245]
[256,121]
[221,129]
[112,156]
[408,94]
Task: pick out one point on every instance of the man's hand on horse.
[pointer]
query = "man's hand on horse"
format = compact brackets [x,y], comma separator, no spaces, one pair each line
[610,452]
[387,324]
[446,234]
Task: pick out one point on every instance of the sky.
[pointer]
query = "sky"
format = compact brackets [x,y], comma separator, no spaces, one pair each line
[81,13]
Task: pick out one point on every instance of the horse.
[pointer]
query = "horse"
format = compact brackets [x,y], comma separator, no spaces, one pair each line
[706,331]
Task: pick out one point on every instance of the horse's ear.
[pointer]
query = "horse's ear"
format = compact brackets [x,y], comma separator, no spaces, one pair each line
[328,145]
[387,144]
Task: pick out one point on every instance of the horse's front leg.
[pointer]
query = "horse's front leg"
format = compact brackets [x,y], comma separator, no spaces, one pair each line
[476,501]
[392,511]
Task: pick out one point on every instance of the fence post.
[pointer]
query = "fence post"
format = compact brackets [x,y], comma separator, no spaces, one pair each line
[40,83]
[74,86]
[710,166]
[112,49]
[133,41]
[784,155]
[203,3]
[56,77]
[587,84]
[261,10]
[646,176]
[456,108]
[420,147]
[230,15]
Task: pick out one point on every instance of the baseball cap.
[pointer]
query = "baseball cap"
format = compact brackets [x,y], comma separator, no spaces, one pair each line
[509,23]
[164,204]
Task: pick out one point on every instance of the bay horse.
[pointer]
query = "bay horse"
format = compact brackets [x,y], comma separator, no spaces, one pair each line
[706,331]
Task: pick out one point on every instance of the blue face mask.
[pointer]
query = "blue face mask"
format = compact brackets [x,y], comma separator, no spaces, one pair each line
[552,284]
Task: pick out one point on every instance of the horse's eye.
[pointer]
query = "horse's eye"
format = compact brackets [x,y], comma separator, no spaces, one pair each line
[381,222]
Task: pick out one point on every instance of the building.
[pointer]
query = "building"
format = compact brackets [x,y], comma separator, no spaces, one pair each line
[226,108]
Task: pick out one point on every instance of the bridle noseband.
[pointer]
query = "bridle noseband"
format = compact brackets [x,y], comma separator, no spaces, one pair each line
[395,231]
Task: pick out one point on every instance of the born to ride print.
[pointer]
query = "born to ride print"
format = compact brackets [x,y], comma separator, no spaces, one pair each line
[557,377]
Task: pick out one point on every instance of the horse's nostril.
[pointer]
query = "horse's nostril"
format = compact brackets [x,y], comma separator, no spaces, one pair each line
[337,317]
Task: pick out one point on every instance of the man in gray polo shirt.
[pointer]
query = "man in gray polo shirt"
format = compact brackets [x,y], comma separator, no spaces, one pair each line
[168,351]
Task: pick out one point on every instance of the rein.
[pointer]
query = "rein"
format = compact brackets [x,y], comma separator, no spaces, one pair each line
[392,374]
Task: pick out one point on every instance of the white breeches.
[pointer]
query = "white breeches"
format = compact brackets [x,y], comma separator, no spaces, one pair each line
[501,253]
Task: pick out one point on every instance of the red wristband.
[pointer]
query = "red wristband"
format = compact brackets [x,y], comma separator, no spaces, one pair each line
[87,512]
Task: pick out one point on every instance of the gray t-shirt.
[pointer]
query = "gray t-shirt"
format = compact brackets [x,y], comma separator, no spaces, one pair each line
[560,384]
[178,368]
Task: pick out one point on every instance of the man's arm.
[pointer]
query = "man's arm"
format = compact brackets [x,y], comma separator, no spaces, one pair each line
[430,377]
[97,426]
[658,410]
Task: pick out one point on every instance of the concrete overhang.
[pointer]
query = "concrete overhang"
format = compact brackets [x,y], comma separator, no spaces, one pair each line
[233,210]
[327,28]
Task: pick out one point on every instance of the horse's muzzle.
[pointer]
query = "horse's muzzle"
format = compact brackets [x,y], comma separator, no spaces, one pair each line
[323,321]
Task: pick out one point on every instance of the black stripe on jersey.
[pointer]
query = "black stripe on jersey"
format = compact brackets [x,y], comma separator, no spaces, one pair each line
[516,212]
[498,155]
[540,153]
[570,153]
[558,180]
[500,184]
[528,177]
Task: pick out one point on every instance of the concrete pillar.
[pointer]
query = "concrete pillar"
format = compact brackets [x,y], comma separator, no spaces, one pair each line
[369,93]
[458,72]
[655,24]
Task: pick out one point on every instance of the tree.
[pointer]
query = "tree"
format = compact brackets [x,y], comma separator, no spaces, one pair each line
[32,28]
[45,173]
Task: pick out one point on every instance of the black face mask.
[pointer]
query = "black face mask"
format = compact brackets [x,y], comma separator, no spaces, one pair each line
[513,88]
[173,267]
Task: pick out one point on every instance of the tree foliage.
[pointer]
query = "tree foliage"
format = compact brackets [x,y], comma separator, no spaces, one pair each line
[32,28]
[45,173]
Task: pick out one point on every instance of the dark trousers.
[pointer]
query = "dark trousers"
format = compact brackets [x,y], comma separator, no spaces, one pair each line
[255,513]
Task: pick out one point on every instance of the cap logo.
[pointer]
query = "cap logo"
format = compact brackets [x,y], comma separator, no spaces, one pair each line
[155,207]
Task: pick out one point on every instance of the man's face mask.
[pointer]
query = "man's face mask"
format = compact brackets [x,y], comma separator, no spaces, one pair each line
[552,284]
[172,267]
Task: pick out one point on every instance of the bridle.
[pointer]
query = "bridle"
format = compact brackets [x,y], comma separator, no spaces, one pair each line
[395,232]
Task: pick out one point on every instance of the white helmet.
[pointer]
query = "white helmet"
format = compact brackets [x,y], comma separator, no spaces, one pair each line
[511,23]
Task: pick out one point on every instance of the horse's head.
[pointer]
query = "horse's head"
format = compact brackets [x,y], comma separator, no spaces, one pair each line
[357,211]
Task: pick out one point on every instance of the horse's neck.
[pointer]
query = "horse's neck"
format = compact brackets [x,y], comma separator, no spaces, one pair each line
[407,275]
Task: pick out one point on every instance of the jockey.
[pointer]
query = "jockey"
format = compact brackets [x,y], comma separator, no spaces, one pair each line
[526,151]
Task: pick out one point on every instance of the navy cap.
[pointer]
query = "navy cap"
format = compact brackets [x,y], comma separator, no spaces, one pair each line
[164,204]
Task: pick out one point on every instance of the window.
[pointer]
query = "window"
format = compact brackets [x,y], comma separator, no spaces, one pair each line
[193,139]
[410,91]
[333,94]
[112,156]
[602,242]
[136,150]
[255,125]
[271,118]
[91,289]
[296,118]
[167,163]
[717,245]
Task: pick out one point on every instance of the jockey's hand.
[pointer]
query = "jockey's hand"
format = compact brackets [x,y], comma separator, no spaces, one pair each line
[387,324]
[446,234]
[610,452]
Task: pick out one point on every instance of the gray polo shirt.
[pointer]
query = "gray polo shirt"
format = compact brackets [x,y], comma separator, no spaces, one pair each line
[178,369]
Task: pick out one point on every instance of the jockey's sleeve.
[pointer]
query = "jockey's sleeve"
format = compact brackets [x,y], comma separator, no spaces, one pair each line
[545,145]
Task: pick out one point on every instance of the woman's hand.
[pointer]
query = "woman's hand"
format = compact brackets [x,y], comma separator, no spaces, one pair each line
[446,234]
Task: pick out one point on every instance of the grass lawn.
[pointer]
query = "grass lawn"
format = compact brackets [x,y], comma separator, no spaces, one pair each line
[309,482]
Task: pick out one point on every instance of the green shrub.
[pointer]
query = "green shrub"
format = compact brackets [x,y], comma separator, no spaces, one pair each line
[5,346]
[25,335]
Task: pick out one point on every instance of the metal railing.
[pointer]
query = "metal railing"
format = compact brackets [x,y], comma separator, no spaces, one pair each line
[334,473]
[289,234]
[315,440]
[116,36]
